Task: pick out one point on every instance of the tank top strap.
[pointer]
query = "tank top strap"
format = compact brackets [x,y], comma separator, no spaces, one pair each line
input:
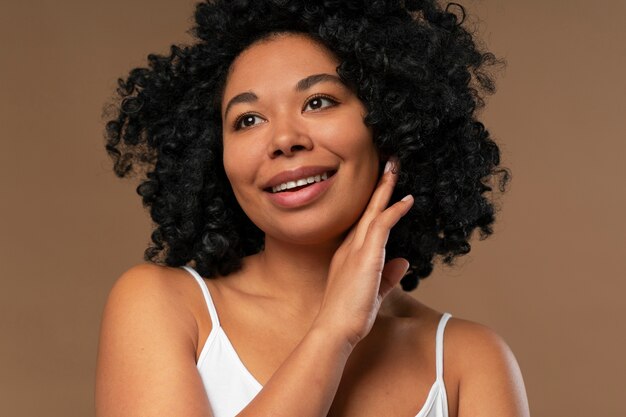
[439,345]
[215,321]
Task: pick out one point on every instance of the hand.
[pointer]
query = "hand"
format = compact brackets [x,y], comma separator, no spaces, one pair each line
[359,279]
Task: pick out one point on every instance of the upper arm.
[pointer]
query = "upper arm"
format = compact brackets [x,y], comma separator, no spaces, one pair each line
[490,380]
[146,357]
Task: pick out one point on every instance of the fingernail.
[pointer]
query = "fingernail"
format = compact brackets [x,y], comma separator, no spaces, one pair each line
[391,165]
[407,197]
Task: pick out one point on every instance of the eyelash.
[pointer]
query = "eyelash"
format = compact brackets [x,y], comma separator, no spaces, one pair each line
[333,103]
[239,119]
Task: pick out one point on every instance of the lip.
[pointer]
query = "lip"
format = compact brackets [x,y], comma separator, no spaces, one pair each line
[296,174]
[301,197]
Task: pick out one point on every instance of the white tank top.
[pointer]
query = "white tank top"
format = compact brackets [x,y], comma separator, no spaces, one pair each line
[230,386]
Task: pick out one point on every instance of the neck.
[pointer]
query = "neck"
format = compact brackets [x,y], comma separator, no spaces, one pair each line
[293,274]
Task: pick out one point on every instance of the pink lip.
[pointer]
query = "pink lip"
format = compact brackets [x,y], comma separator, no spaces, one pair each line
[296,174]
[301,197]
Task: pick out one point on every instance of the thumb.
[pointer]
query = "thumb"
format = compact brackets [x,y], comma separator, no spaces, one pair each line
[393,271]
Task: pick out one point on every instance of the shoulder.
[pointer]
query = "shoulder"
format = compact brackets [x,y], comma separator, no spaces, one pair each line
[149,295]
[462,337]
[480,342]
[479,366]
[154,284]
[148,287]
[490,379]
[147,277]
[148,325]
[478,352]
[159,302]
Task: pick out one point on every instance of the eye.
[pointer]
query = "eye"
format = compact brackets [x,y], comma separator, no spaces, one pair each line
[320,102]
[247,120]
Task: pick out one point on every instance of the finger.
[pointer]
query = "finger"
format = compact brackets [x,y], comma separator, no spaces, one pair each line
[347,241]
[379,199]
[378,231]
[384,189]
[393,272]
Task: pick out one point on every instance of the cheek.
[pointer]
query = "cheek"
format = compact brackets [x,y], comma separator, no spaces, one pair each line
[241,167]
[369,162]
[361,149]
[347,135]
[236,162]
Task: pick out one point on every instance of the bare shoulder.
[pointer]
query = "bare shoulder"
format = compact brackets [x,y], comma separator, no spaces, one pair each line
[148,276]
[481,373]
[479,344]
[149,291]
[490,379]
[166,299]
[462,337]
[141,277]
[146,354]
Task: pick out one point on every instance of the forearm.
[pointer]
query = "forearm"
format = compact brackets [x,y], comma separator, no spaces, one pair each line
[306,383]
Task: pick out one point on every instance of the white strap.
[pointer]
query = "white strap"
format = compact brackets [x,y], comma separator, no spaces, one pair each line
[215,321]
[439,345]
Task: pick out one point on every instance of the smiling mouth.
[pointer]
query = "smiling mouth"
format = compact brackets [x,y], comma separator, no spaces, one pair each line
[296,185]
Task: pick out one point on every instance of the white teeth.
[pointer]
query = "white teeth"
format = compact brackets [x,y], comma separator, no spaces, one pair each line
[303,181]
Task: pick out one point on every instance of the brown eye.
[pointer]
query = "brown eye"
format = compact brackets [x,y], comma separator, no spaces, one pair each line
[247,120]
[319,102]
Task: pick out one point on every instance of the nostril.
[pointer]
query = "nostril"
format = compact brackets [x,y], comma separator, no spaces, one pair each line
[288,149]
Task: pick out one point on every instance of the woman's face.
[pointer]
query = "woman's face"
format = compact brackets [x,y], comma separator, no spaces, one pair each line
[300,159]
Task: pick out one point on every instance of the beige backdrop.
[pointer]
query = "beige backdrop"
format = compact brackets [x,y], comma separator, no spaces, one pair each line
[551,280]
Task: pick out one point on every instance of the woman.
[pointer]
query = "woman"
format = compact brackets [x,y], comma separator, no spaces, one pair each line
[281,149]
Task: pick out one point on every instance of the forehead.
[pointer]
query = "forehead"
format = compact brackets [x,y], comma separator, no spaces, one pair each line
[280,59]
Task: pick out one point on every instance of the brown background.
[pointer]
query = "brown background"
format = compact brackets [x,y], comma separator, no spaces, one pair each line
[551,280]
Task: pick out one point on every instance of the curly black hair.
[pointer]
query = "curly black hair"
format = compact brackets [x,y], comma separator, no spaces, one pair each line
[417,69]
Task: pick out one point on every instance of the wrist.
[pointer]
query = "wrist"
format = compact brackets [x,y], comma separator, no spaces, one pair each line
[333,336]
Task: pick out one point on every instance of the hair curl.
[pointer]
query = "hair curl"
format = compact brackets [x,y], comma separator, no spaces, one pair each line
[419,73]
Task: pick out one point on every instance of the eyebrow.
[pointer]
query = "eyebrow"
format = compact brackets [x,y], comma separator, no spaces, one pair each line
[302,85]
[311,80]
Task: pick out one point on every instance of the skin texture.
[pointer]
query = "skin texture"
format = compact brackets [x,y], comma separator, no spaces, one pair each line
[316,317]
[328,132]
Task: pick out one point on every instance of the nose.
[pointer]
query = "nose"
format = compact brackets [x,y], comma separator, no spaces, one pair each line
[288,138]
